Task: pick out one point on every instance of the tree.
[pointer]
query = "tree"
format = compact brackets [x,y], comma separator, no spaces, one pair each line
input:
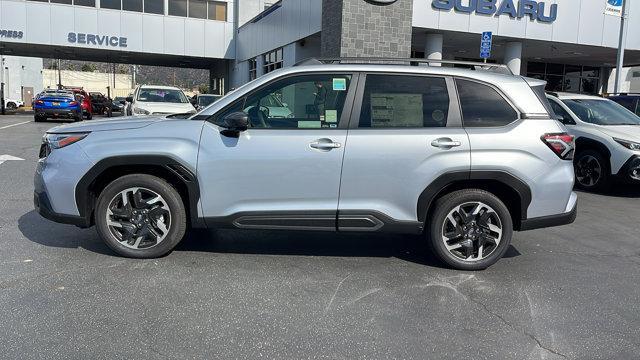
[88,67]
[203,89]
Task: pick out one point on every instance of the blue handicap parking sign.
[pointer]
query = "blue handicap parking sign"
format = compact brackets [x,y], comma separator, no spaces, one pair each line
[485,44]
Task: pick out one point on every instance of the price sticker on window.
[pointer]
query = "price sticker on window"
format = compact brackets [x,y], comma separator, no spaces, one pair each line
[339,84]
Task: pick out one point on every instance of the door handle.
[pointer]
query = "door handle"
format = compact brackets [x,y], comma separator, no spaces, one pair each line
[445,143]
[325,144]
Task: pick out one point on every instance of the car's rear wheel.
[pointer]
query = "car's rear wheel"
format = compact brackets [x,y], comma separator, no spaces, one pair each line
[89,116]
[11,105]
[39,118]
[470,229]
[591,171]
[140,216]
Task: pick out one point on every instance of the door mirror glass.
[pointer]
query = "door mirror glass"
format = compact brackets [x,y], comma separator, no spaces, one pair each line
[234,123]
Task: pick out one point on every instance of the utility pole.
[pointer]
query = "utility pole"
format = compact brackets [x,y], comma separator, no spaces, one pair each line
[59,76]
[2,85]
[114,75]
[621,45]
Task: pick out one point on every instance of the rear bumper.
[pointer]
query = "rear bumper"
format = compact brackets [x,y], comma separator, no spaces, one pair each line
[58,112]
[551,220]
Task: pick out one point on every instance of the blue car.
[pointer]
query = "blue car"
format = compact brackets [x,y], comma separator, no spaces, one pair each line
[62,104]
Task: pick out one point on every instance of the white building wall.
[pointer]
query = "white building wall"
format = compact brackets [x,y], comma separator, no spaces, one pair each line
[49,24]
[19,72]
[579,22]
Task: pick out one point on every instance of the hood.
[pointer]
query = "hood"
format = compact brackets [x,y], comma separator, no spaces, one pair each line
[165,108]
[624,132]
[120,123]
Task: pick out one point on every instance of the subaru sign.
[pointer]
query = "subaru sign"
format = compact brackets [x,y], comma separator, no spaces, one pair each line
[485,45]
[525,8]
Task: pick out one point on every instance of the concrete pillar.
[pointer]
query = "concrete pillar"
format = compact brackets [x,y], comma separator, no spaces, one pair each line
[433,47]
[513,56]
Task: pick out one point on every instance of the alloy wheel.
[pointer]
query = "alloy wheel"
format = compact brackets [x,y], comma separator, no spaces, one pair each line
[472,231]
[588,171]
[139,218]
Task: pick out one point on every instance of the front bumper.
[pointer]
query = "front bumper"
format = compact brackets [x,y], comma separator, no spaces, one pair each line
[42,204]
[43,207]
[630,171]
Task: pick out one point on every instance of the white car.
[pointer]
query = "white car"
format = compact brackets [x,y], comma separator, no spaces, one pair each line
[158,100]
[607,139]
[12,104]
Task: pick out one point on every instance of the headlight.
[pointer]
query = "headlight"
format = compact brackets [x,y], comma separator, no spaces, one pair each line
[140,111]
[628,144]
[57,141]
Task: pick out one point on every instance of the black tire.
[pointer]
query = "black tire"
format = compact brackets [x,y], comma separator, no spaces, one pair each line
[77,118]
[39,118]
[11,105]
[177,212]
[448,203]
[590,181]
[89,116]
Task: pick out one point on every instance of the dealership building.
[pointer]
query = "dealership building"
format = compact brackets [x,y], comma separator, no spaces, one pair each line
[570,43]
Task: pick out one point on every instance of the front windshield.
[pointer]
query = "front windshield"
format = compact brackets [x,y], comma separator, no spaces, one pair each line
[161,95]
[602,112]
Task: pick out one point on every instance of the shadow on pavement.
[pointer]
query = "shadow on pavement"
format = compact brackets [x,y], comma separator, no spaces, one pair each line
[412,248]
[618,190]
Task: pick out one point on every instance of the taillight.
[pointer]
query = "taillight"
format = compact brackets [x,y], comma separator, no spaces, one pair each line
[39,102]
[73,103]
[562,144]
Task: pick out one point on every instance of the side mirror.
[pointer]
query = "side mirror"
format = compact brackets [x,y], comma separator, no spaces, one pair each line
[122,102]
[129,99]
[234,123]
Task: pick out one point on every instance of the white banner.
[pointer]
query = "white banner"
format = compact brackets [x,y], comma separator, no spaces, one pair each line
[614,7]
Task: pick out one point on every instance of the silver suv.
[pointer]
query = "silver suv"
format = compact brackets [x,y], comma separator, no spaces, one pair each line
[463,157]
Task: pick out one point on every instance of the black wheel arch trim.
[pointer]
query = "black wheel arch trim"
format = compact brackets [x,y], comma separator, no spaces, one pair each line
[591,143]
[85,200]
[446,180]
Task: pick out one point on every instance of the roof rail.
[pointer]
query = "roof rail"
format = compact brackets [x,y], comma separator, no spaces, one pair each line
[502,68]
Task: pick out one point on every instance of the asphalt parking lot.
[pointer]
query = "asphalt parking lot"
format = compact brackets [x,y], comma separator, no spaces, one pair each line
[566,292]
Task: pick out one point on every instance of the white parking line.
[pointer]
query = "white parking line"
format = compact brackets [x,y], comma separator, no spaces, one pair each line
[12,125]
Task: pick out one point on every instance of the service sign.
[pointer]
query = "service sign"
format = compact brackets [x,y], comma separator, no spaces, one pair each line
[97,40]
[515,9]
[11,34]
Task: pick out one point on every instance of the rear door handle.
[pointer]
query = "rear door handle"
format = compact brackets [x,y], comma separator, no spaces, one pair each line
[445,143]
[325,144]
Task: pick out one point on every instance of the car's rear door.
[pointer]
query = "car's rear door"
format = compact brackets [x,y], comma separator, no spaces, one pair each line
[283,172]
[405,133]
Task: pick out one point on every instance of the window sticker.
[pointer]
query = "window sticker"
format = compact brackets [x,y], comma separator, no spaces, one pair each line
[331,116]
[339,84]
[396,109]
[309,124]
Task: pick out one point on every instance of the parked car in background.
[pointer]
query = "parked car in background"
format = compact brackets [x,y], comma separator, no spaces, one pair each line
[462,157]
[158,100]
[607,139]
[85,101]
[201,101]
[12,104]
[629,100]
[118,104]
[62,104]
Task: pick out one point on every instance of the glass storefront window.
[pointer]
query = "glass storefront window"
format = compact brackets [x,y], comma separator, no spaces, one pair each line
[573,70]
[555,69]
[217,10]
[554,82]
[569,78]
[154,6]
[68,2]
[132,5]
[572,84]
[110,4]
[178,7]
[197,9]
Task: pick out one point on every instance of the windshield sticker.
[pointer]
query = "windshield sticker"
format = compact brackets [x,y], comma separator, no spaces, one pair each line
[331,116]
[309,124]
[339,84]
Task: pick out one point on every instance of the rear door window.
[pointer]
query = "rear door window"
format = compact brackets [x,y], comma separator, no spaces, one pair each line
[404,101]
[483,106]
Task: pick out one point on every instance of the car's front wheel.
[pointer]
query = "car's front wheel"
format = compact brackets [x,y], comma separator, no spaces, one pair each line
[11,106]
[470,229]
[591,170]
[140,216]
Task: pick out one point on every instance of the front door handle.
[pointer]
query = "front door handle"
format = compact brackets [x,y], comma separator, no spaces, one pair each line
[445,143]
[325,144]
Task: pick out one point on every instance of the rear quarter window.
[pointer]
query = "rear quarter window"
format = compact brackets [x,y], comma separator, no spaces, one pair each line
[483,106]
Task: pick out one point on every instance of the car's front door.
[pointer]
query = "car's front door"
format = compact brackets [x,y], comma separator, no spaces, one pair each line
[408,134]
[282,172]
